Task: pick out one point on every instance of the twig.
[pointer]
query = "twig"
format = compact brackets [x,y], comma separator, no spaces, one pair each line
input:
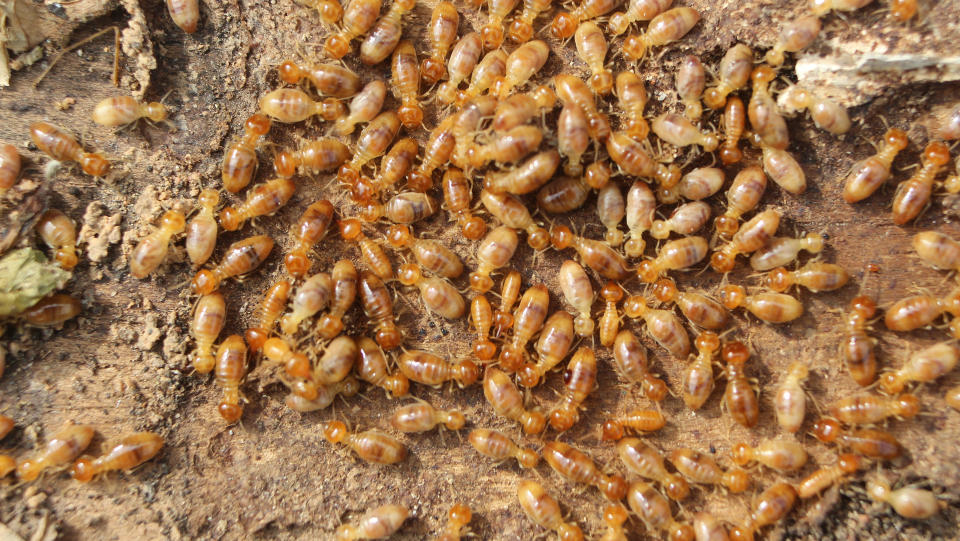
[116,55]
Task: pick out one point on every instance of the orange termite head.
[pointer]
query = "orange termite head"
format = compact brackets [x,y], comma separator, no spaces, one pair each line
[527,375]
[485,350]
[511,358]
[466,372]
[255,338]
[155,111]
[849,462]
[455,421]
[473,227]
[492,35]
[741,454]
[654,388]
[257,125]
[520,32]
[534,422]
[563,418]
[707,342]
[681,532]
[230,218]
[94,164]
[665,290]
[409,274]
[432,70]
[763,74]
[398,385]
[647,271]
[297,264]
[677,488]
[337,46]
[732,296]
[411,116]
[389,338]
[864,305]
[561,237]
[892,382]
[936,153]
[204,282]
[826,430]
[297,366]
[398,235]
[285,164]
[480,282]
[335,431]
[730,155]
[612,430]
[735,353]
[67,259]
[82,470]
[614,488]
[418,181]
[907,406]
[28,470]
[896,138]
[231,413]
[351,229]
[528,458]
[563,25]
[460,514]
[611,292]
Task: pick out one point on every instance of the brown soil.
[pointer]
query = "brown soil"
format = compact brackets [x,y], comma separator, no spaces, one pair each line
[123,365]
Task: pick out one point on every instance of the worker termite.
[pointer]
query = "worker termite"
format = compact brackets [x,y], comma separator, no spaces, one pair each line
[438,295]
[749,238]
[673,255]
[679,131]
[913,503]
[481,317]
[630,358]
[573,138]
[857,347]
[311,297]
[464,62]
[370,445]
[209,317]
[288,105]
[766,306]
[403,208]
[667,27]
[789,402]
[794,36]
[578,291]
[734,124]
[459,516]
[508,402]
[378,307]
[864,409]
[202,228]
[918,311]
[509,294]
[611,208]
[319,155]
[823,478]
[815,276]
[780,455]
[521,29]
[492,67]
[394,166]
[734,73]
[700,183]
[329,79]
[654,510]
[632,98]
[685,220]
[781,251]
[494,251]
[937,249]
[739,397]
[240,158]
[648,420]
[638,10]
[347,387]
[554,343]
[579,379]
[771,506]
[566,23]
[575,466]
[371,366]
[492,32]
[544,510]
[512,212]
[564,194]
[697,384]
[645,461]
[662,325]
[373,141]
[267,313]
[429,369]
[295,364]
[457,196]
[518,109]
[436,154]
[131,451]
[9,166]
[913,194]
[500,447]
[152,249]
[62,147]
[865,441]
[599,256]
[702,469]
[364,107]
[372,253]
[826,114]
[262,200]
[742,197]
[309,229]
[240,258]
[231,367]
[358,18]
[466,124]
[924,366]
[573,91]
[506,147]
[612,294]
[123,110]
[405,77]
[765,119]
[641,206]
[60,234]
[430,254]
[421,417]
[185,14]
[527,321]
[63,447]
[690,82]
[52,311]
[383,38]
[345,279]
[442,32]
[700,309]
[377,523]
[592,49]
[526,177]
